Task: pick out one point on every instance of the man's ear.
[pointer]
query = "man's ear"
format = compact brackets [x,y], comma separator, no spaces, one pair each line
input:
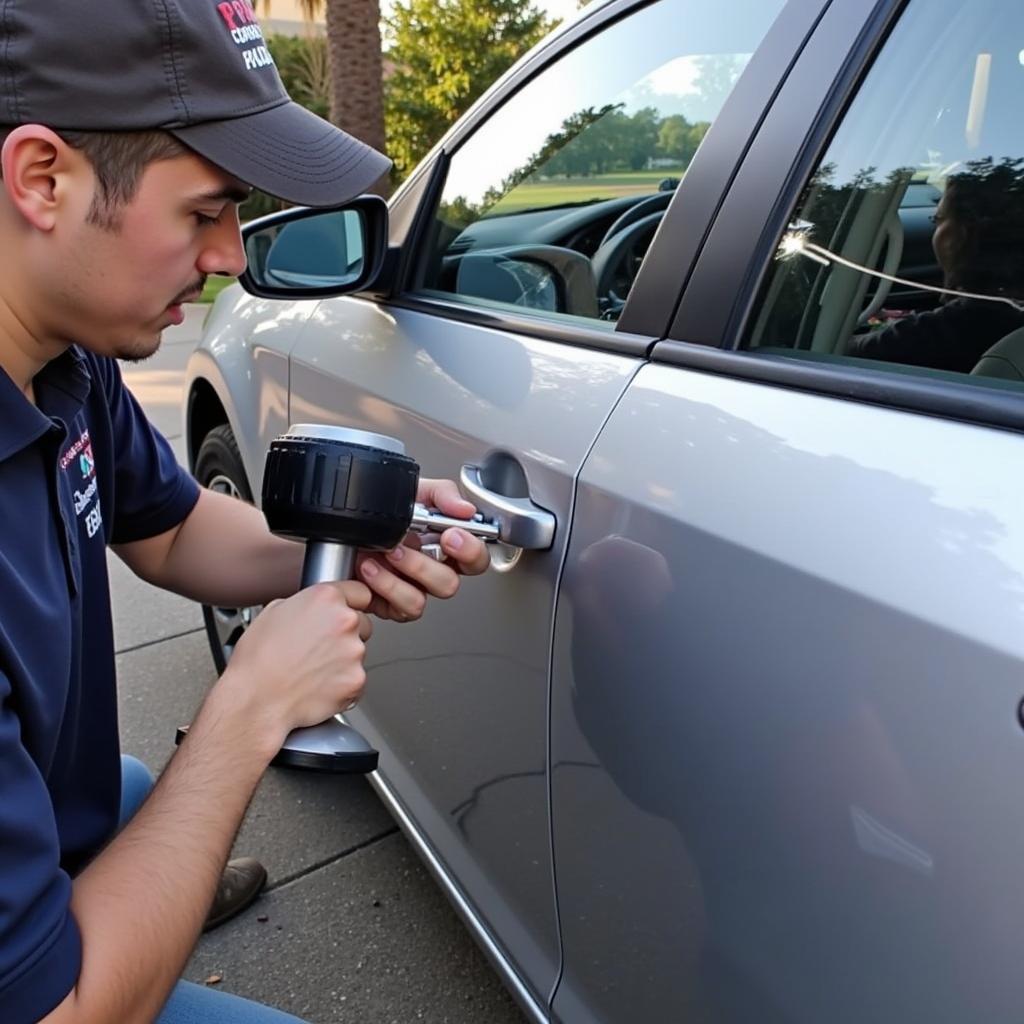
[40,170]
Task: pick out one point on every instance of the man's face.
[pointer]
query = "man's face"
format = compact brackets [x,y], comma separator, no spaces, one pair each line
[117,290]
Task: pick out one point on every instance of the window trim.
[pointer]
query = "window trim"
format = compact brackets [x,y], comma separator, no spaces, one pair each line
[655,296]
[726,283]
[948,399]
[706,333]
[423,188]
[410,258]
[672,257]
[490,105]
[564,332]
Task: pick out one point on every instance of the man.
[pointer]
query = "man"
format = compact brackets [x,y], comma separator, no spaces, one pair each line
[130,132]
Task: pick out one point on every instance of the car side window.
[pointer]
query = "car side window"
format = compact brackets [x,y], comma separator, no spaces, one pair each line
[906,249]
[550,205]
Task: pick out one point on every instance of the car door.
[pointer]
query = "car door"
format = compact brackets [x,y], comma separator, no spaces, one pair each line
[497,351]
[789,647]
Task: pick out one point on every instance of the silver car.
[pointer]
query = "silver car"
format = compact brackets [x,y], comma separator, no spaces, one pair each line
[729,292]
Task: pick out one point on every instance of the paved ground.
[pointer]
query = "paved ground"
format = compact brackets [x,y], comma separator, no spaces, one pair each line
[351,929]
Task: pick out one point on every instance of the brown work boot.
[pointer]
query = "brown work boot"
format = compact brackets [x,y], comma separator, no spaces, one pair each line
[241,883]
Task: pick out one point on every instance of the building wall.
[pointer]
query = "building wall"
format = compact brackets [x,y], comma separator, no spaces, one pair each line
[282,10]
[285,17]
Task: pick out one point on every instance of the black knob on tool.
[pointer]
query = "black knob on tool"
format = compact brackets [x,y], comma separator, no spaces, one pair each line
[338,490]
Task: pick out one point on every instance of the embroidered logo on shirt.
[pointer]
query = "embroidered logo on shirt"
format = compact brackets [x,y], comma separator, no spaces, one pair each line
[75,450]
[86,463]
[86,501]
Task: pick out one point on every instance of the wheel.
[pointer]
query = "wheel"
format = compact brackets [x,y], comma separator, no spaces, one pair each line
[219,468]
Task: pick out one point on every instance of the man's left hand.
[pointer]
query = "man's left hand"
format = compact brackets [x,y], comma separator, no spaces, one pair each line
[402,579]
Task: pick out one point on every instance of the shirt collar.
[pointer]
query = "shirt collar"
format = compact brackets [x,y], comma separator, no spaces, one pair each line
[61,388]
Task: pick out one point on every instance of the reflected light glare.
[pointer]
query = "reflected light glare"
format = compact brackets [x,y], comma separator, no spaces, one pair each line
[796,241]
[792,245]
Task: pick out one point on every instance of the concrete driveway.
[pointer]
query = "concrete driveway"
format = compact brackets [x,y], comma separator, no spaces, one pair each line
[351,929]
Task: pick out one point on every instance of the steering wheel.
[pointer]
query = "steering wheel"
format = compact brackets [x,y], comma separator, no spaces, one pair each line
[634,213]
[609,262]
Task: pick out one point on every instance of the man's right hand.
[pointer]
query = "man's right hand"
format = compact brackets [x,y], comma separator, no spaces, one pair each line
[141,903]
[302,659]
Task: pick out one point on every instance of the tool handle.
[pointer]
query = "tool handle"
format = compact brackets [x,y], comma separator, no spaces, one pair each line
[327,563]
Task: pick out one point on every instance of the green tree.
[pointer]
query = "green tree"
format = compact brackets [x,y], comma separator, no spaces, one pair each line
[596,142]
[304,66]
[678,139]
[444,54]
[640,139]
[673,136]
[356,63]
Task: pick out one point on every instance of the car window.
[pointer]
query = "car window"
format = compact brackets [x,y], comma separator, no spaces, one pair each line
[906,250]
[551,204]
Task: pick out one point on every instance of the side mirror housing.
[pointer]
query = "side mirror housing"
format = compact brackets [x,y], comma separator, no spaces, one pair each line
[312,254]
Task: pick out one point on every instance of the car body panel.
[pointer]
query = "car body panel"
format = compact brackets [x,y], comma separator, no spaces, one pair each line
[789,653]
[243,358]
[742,744]
[459,702]
[472,744]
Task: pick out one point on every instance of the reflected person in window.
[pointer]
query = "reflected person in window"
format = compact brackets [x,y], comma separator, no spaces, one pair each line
[979,225]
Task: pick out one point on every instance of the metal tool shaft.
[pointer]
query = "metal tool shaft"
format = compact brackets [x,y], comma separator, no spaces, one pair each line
[429,520]
[326,562]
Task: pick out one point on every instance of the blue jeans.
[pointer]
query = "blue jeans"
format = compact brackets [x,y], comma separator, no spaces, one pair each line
[192,1004]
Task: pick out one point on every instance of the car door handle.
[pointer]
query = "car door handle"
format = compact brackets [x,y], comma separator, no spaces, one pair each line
[521,523]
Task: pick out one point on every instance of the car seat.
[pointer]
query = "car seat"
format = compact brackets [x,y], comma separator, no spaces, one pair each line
[1005,359]
[875,225]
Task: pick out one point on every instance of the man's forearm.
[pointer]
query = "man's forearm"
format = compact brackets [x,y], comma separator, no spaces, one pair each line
[141,903]
[222,554]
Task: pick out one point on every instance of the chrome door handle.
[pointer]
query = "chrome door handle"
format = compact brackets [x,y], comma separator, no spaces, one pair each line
[521,523]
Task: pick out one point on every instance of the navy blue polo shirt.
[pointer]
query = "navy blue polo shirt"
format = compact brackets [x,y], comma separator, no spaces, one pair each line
[79,470]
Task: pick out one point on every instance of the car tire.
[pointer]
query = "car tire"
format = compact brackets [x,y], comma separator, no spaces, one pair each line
[219,468]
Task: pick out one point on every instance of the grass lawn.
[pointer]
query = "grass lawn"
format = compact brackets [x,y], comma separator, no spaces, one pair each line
[576,190]
[214,286]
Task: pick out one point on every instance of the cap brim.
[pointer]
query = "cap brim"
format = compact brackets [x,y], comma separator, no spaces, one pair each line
[289,152]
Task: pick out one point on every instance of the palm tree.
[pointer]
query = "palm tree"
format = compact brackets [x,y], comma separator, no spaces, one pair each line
[354,48]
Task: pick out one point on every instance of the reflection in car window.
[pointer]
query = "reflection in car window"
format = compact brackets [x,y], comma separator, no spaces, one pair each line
[906,248]
[551,204]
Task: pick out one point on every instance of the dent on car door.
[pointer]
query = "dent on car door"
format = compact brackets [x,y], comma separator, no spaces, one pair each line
[790,641]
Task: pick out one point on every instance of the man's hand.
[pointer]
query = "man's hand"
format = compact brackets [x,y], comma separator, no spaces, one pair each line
[301,661]
[402,579]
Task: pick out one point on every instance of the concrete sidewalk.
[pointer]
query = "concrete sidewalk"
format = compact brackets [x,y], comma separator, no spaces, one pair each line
[351,929]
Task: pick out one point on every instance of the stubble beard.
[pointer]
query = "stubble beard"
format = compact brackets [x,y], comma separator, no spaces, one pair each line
[143,348]
[140,349]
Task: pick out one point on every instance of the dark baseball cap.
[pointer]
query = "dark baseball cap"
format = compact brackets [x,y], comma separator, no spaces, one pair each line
[199,69]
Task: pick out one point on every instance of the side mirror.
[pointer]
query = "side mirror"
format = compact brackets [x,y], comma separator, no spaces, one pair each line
[312,254]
